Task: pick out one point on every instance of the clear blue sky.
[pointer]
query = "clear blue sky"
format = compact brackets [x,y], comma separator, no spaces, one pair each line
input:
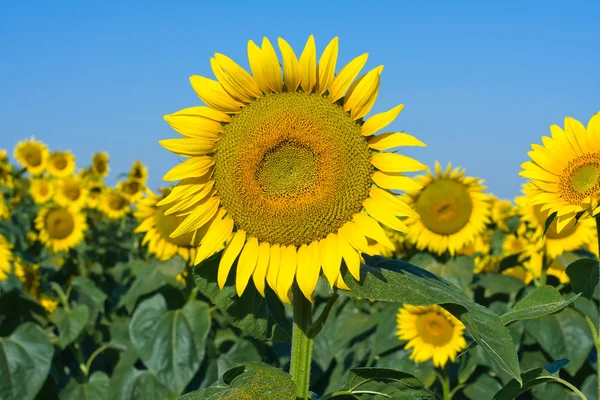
[480,80]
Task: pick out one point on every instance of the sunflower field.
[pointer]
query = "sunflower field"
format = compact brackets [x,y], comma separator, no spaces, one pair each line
[296,252]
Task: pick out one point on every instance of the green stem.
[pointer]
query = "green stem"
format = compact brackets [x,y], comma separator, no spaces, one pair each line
[90,360]
[64,298]
[302,343]
[320,322]
[445,381]
[573,388]
[591,325]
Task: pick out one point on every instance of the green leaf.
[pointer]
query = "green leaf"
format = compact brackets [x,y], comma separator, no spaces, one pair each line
[153,277]
[89,294]
[94,389]
[70,323]
[590,386]
[25,358]
[530,379]
[263,318]
[497,283]
[398,281]
[133,384]
[458,271]
[483,388]
[541,301]
[549,221]
[170,343]
[400,360]
[563,335]
[584,275]
[251,380]
[365,383]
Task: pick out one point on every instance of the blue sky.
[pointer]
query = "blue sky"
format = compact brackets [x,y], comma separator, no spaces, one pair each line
[480,80]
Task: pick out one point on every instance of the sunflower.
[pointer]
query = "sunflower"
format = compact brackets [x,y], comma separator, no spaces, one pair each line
[514,244]
[453,210]
[138,172]
[71,192]
[50,305]
[432,333]
[32,155]
[61,228]
[100,165]
[4,211]
[158,224]
[566,170]
[29,275]
[94,189]
[6,177]
[132,189]
[502,211]
[6,258]
[480,249]
[41,190]
[573,236]
[282,166]
[61,164]
[534,266]
[113,203]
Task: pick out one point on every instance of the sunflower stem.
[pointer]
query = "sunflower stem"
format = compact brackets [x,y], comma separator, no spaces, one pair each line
[302,343]
[591,325]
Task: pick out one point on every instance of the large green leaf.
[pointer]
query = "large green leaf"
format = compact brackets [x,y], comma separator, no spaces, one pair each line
[484,388]
[541,301]
[96,388]
[170,343]
[458,271]
[366,383]
[584,275]
[89,294]
[397,281]
[263,318]
[70,323]
[251,380]
[497,283]
[25,358]
[530,379]
[133,384]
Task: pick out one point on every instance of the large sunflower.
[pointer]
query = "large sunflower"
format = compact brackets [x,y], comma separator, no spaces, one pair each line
[566,170]
[282,166]
[158,224]
[71,192]
[41,190]
[432,333]
[113,203]
[100,166]
[61,228]
[574,235]
[453,210]
[32,155]
[61,164]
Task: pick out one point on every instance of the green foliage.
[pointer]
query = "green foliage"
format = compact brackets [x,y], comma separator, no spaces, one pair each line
[530,379]
[584,275]
[541,301]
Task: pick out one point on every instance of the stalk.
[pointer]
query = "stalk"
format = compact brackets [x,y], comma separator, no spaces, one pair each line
[302,343]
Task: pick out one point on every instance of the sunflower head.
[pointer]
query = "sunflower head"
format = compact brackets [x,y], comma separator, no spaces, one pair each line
[60,228]
[94,190]
[100,165]
[113,204]
[453,210]
[71,192]
[138,172]
[281,165]
[565,170]
[41,190]
[6,177]
[132,189]
[61,163]
[6,257]
[32,155]
[432,333]
[50,305]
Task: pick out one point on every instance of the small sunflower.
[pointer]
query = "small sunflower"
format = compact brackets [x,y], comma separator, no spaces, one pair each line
[138,172]
[283,167]
[94,189]
[132,189]
[514,244]
[61,164]
[158,224]
[71,192]
[50,305]
[502,211]
[32,155]
[6,177]
[29,275]
[100,166]
[113,203]
[566,170]
[432,333]
[6,257]
[453,210]
[60,228]
[41,190]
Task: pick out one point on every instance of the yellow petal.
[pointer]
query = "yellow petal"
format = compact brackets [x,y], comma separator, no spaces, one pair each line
[326,66]
[372,229]
[273,270]
[260,272]
[395,181]
[386,141]
[593,131]
[291,68]
[232,250]
[393,203]
[380,121]
[351,233]
[255,61]
[384,215]
[332,258]
[246,265]
[189,147]
[185,204]
[270,67]
[213,94]
[227,83]
[194,167]
[340,283]
[309,267]
[287,271]
[391,162]
[344,79]
[218,233]
[185,188]
[191,125]
[351,258]
[360,100]
[239,76]
[203,112]
[308,65]
[200,216]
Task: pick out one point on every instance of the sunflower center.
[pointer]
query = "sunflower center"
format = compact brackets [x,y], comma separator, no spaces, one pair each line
[444,206]
[116,202]
[72,192]
[59,223]
[291,168]
[59,161]
[33,156]
[434,329]
[131,187]
[166,224]
[581,178]
[551,233]
[44,190]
